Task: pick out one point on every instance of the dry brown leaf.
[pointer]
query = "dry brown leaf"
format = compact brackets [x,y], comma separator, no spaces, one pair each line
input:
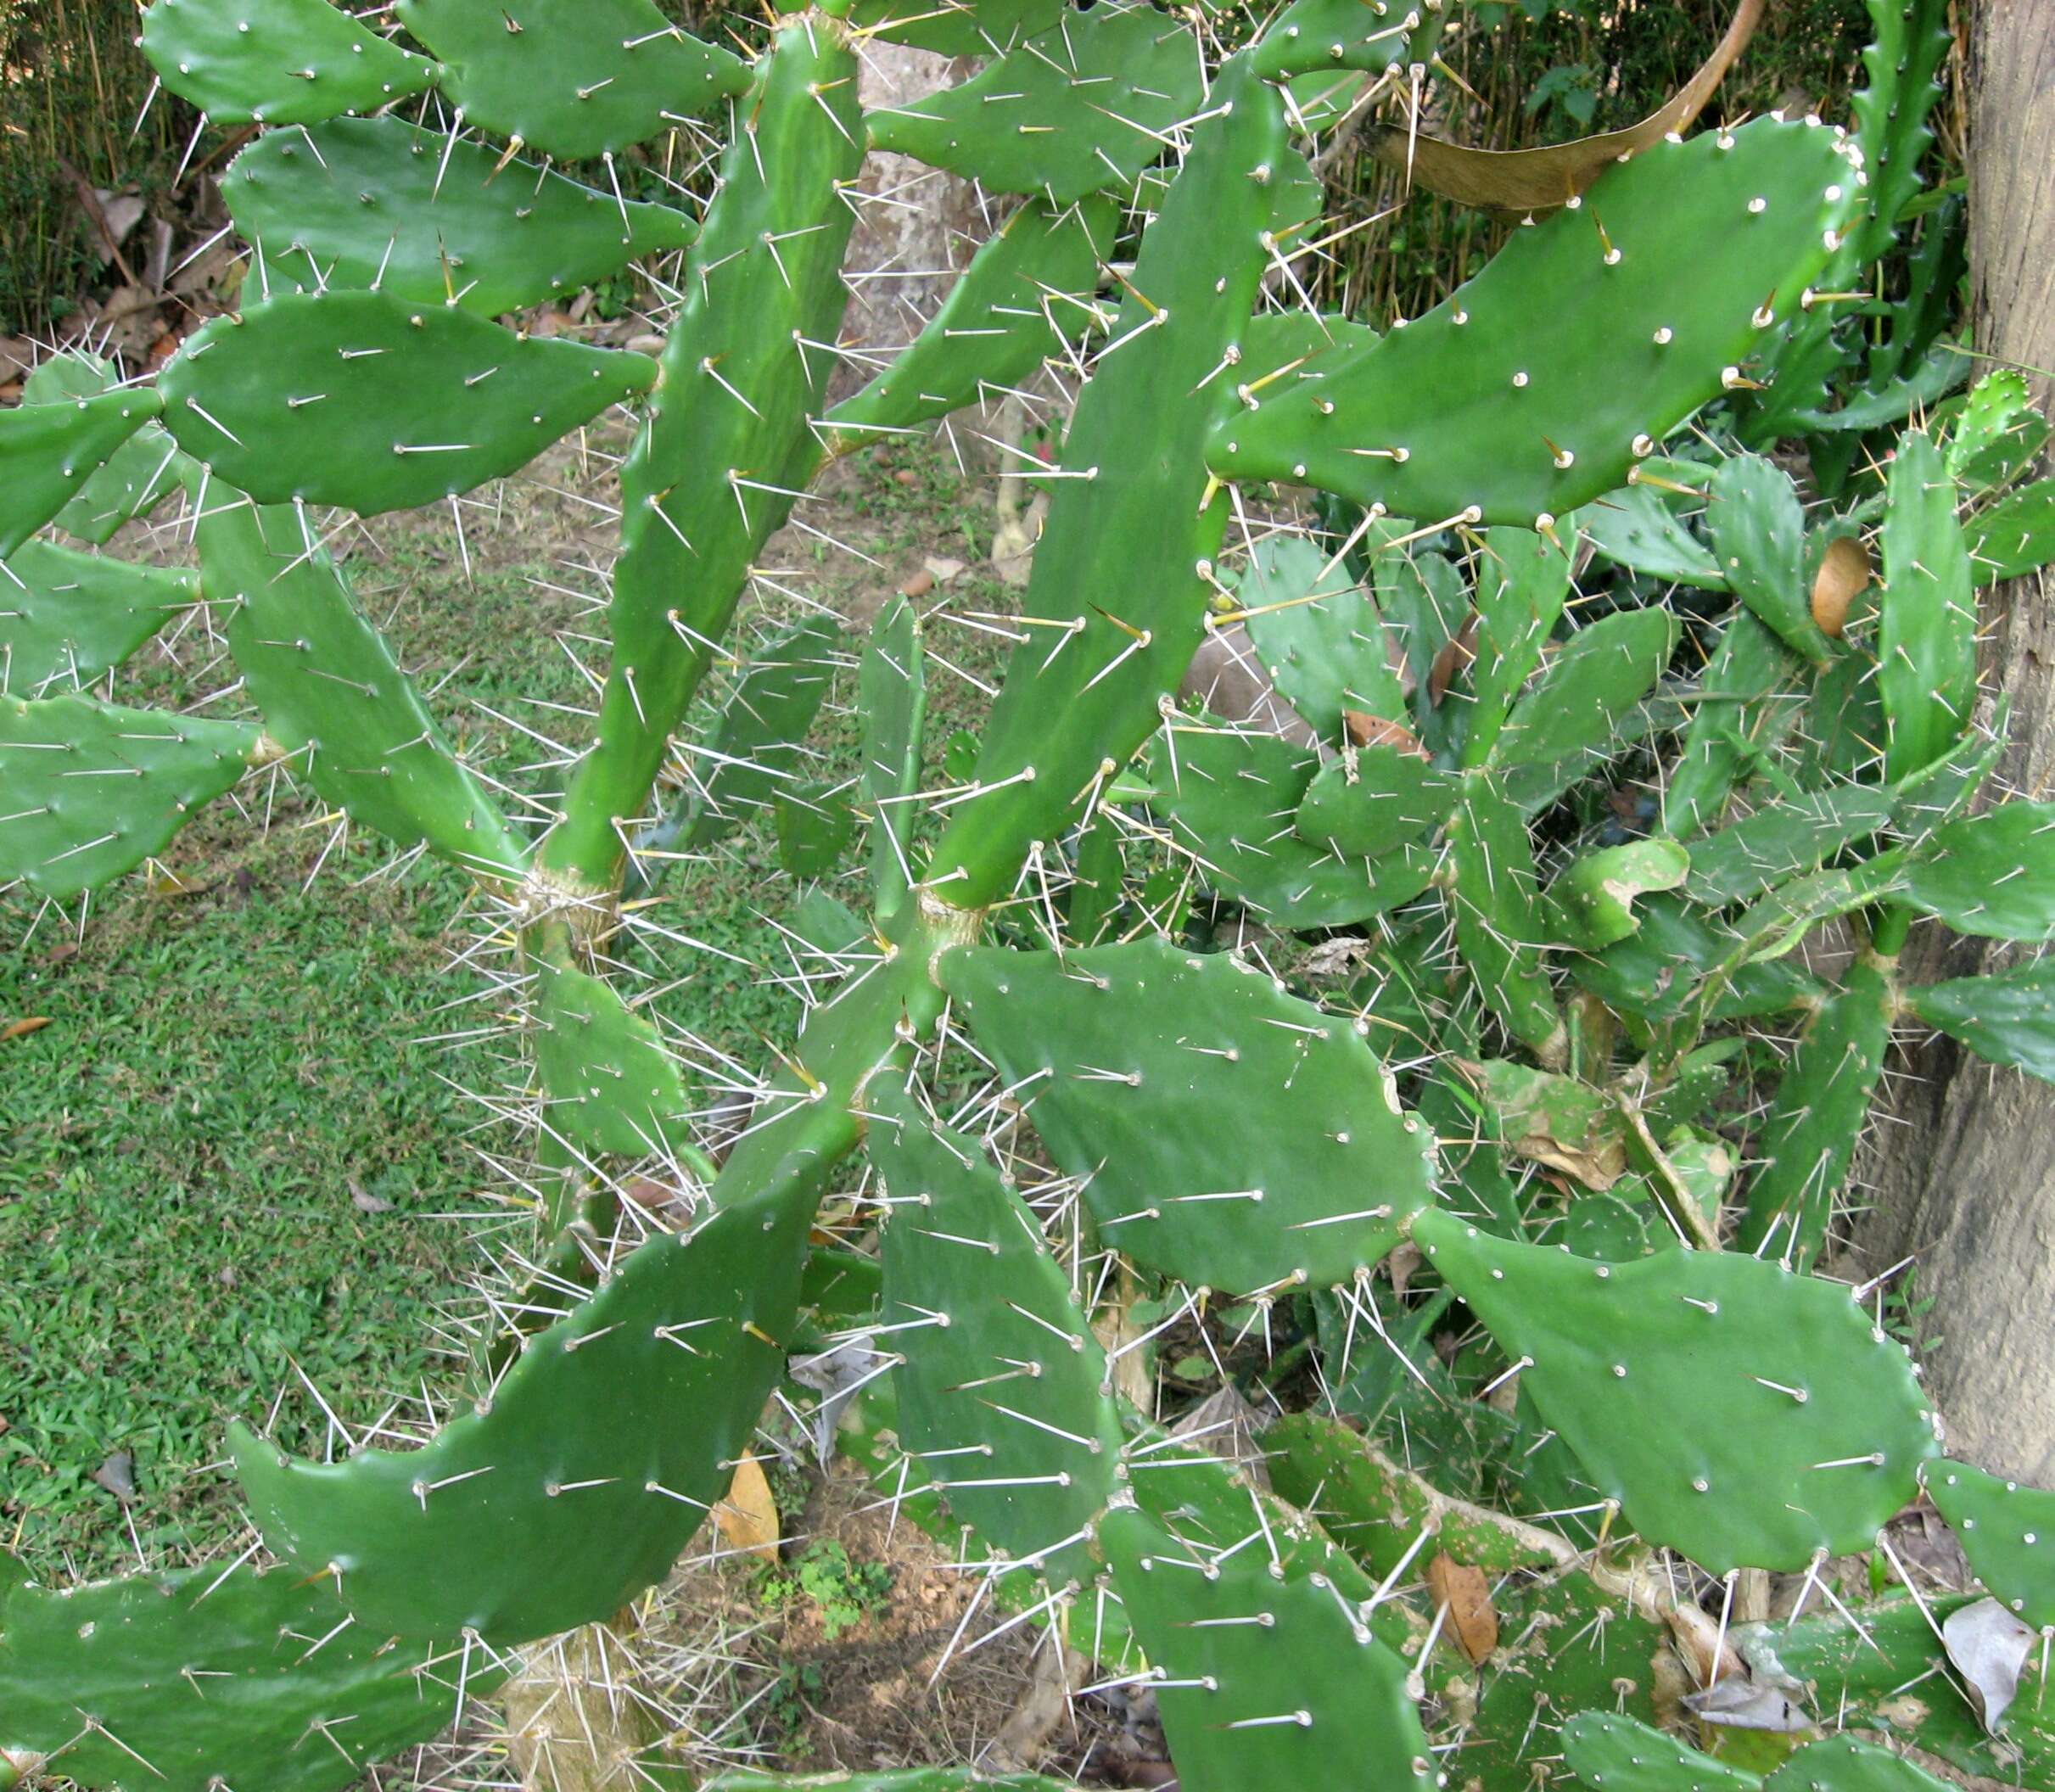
[748,1516]
[1452,661]
[1467,1593]
[919,585]
[1526,182]
[23,1028]
[1843,575]
[1376,731]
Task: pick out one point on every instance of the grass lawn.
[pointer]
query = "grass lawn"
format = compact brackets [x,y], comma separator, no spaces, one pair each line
[231,1151]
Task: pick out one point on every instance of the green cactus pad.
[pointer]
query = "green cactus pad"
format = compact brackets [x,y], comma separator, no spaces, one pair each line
[49,452]
[758,742]
[276,62]
[138,476]
[727,438]
[1523,583]
[1232,799]
[2007,1530]
[1321,35]
[955,27]
[383,204]
[1028,291]
[1758,529]
[2008,1017]
[1610,1753]
[814,827]
[1373,800]
[1265,1683]
[575,79]
[92,789]
[1594,680]
[1127,1058]
[2015,536]
[374,403]
[1844,1764]
[609,1081]
[1992,874]
[1006,1399]
[1635,527]
[1785,840]
[1126,642]
[1500,924]
[203,1679]
[1594,896]
[1080,108]
[329,685]
[1926,643]
[1319,635]
[891,692]
[1736,709]
[578,1483]
[1577,348]
[1742,1415]
[65,617]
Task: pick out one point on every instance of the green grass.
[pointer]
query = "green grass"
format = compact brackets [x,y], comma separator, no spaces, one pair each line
[178,1145]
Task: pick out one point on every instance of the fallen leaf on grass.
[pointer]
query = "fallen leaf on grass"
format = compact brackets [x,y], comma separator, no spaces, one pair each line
[364,1202]
[21,1029]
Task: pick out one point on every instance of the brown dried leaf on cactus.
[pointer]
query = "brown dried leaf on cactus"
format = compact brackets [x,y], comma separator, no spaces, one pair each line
[1516,183]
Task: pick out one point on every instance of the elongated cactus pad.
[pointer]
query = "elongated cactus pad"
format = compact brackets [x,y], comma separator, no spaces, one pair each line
[1227,1132]
[1499,925]
[2015,535]
[92,789]
[1785,840]
[276,62]
[383,204]
[891,692]
[139,475]
[1126,642]
[575,79]
[1028,291]
[1635,527]
[204,1679]
[375,403]
[1536,386]
[1741,1415]
[2007,1530]
[330,689]
[48,452]
[2008,1017]
[1523,584]
[1003,1393]
[757,745]
[1592,683]
[65,617]
[1926,645]
[726,444]
[576,1485]
[1265,1683]
[1081,107]
[1611,1753]
[1731,713]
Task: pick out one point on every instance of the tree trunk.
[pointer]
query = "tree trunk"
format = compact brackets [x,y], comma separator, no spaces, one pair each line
[1966,1174]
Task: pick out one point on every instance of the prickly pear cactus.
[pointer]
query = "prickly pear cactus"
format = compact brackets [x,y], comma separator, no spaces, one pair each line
[1433,1061]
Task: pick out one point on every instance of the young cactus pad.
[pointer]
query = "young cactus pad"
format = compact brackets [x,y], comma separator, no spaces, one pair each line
[1844,1763]
[1536,386]
[379,403]
[578,1483]
[65,617]
[383,204]
[1224,1132]
[1743,1415]
[1003,1392]
[2007,1530]
[1613,1754]
[204,1679]
[92,789]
